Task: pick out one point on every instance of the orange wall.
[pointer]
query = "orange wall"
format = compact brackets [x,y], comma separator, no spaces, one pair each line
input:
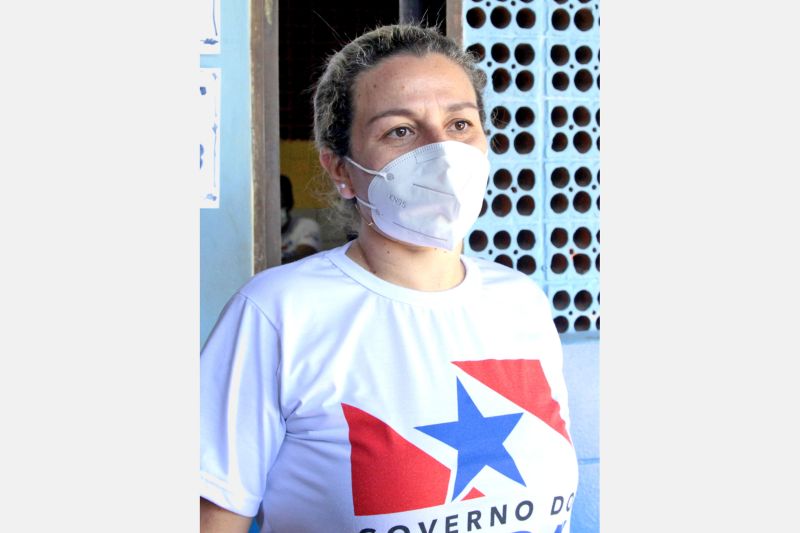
[299,161]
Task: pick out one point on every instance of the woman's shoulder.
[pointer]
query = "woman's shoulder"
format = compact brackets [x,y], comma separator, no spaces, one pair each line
[499,278]
[309,275]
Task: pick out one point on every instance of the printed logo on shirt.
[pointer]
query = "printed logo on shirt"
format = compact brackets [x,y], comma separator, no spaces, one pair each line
[390,474]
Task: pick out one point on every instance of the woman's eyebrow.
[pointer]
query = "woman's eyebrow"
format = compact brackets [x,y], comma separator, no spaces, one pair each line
[458,106]
[395,112]
[405,112]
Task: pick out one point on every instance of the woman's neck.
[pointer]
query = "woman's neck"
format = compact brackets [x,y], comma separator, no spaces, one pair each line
[419,268]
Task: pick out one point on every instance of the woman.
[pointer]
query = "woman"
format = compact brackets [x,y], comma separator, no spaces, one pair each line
[390,385]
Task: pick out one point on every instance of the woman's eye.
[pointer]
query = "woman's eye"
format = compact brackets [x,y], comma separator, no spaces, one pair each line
[402,131]
[460,125]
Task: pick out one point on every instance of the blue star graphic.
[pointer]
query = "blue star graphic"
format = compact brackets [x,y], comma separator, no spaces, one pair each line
[478,439]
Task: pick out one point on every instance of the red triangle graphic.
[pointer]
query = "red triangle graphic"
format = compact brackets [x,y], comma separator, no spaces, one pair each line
[474,493]
[523,382]
[390,475]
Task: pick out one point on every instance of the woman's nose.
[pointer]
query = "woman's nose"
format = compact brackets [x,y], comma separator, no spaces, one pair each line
[435,135]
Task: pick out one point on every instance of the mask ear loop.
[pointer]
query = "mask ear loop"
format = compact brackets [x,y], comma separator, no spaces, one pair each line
[384,175]
[359,200]
[377,174]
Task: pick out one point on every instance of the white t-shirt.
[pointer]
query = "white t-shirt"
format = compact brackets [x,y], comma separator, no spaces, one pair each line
[334,401]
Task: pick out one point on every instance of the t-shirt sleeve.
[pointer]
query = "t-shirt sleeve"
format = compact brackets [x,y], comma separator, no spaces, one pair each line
[241,425]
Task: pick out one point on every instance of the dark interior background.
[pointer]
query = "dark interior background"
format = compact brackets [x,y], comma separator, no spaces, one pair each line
[311,31]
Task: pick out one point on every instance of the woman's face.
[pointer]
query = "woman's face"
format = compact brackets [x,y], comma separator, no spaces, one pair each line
[406,102]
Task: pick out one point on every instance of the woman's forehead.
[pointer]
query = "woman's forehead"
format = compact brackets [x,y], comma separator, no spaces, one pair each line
[411,80]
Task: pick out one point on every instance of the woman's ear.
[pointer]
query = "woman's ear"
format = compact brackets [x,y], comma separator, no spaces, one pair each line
[337,171]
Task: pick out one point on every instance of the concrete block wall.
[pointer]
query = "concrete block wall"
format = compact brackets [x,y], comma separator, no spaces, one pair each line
[542,206]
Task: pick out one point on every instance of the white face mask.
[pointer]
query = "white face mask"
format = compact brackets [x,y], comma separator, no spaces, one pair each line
[430,196]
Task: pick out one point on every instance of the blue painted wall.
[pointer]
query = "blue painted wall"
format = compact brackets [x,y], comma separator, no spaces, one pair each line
[581,372]
[226,233]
